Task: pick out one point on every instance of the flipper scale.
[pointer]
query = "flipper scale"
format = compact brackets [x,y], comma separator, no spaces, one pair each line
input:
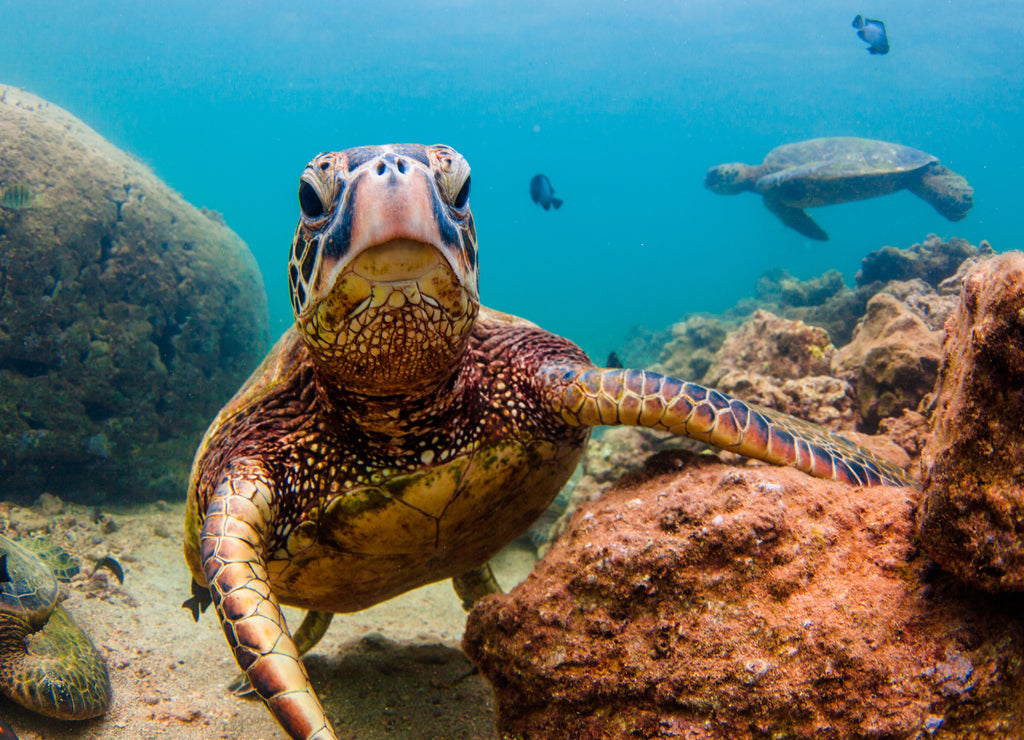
[595,397]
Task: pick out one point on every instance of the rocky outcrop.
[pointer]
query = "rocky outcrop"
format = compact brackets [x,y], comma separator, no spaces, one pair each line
[931,261]
[703,601]
[691,349]
[827,301]
[785,365]
[972,517]
[892,362]
[824,301]
[127,316]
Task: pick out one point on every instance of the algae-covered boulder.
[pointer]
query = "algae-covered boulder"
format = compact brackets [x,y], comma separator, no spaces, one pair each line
[971,518]
[127,316]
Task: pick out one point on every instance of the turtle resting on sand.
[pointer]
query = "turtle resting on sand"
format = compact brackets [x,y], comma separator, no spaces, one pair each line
[47,663]
[838,169]
[399,433]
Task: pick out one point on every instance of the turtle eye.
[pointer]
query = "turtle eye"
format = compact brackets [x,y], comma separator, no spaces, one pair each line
[451,170]
[309,201]
[463,195]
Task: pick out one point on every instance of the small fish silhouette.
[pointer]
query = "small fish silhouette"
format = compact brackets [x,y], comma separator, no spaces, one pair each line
[613,360]
[872,31]
[112,565]
[542,192]
[17,197]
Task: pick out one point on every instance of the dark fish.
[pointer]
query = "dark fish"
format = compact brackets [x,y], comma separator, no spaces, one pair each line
[113,566]
[5,577]
[542,192]
[613,360]
[873,32]
[16,197]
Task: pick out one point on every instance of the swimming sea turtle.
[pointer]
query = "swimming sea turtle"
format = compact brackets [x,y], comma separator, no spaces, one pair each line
[821,172]
[399,433]
[47,663]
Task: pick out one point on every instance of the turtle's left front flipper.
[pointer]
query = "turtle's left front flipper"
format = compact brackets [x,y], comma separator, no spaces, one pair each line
[588,396]
[795,218]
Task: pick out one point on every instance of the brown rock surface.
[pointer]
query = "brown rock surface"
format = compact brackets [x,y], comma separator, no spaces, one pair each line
[127,316]
[691,349]
[972,517]
[785,365]
[757,603]
[892,361]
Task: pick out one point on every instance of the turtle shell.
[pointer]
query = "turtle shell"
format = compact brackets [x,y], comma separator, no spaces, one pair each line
[820,172]
[30,590]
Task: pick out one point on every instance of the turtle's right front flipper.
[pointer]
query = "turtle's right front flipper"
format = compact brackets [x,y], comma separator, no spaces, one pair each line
[945,190]
[588,396]
[795,218]
[238,522]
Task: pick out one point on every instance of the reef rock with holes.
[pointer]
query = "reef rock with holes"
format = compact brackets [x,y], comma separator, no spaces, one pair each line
[972,517]
[712,602]
[127,316]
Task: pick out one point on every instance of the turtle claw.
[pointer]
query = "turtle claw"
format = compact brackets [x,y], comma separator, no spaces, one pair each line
[198,601]
[241,686]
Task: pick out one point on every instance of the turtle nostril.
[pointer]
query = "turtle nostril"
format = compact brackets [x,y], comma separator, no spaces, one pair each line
[401,166]
[381,167]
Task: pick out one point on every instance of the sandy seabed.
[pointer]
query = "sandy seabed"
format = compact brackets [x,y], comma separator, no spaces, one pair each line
[392,671]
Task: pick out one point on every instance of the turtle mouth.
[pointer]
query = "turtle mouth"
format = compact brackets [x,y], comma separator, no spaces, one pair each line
[397,260]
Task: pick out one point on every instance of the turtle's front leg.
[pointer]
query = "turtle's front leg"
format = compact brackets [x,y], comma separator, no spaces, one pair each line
[235,530]
[587,396]
[473,585]
[313,628]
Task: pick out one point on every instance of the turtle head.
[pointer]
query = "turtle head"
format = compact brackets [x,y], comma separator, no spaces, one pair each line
[732,178]
[383,268]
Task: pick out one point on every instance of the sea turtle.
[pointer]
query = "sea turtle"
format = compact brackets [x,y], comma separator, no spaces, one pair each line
[399,433]
[838,169]
[47,663]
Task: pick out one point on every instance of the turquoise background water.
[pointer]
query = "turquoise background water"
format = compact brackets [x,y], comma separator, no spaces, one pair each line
[624,105]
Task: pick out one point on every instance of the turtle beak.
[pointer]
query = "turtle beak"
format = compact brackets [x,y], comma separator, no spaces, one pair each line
[394,227]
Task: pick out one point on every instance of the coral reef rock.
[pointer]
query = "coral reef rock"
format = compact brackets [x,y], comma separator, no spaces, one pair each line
[783,364]
[691,348]
[641,347]
[780,288]
[725,603]
[824,301]
[612,453]
[972,517]
[127,316]
[933,261]
[892,361]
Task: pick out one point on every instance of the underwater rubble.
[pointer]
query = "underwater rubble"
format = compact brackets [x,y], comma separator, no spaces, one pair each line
[703,599]
[127,316]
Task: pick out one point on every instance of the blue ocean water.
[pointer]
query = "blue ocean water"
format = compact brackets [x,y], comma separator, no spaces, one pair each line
[624,105]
